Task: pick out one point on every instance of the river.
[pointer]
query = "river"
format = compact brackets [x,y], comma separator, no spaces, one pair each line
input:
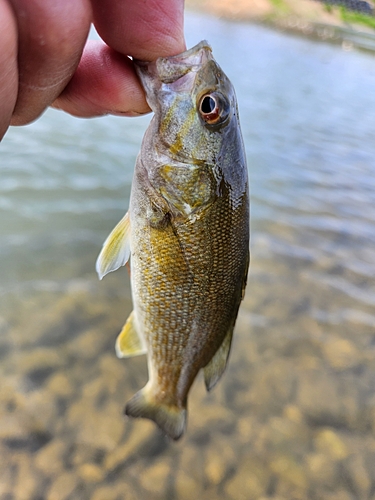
[294,416]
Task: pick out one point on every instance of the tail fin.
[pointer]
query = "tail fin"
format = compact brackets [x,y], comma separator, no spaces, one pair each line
[170,419]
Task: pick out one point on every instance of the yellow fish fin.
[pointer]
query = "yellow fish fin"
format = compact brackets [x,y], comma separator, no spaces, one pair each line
[128,342]
[215,368]
[116,248]
[170,418]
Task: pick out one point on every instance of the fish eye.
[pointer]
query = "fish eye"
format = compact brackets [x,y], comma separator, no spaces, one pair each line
[208,105]
[213,108]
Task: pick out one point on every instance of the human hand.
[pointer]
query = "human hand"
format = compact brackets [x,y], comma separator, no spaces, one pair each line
[42,64]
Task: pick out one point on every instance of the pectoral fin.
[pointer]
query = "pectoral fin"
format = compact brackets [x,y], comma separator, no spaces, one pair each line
[128,342]
[215,368]
[116,249]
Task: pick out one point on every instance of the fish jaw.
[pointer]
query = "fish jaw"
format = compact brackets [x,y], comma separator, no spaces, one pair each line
[176,72]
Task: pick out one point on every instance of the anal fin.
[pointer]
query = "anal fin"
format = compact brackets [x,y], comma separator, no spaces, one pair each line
[128,342]
[244,280]
[216,367]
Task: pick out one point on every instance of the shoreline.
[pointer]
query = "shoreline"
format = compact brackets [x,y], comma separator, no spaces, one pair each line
[308,18]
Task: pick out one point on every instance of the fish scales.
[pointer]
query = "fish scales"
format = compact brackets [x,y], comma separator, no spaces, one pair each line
[187,231]
[173,275]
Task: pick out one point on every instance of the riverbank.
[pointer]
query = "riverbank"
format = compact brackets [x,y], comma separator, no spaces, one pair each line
[306,17]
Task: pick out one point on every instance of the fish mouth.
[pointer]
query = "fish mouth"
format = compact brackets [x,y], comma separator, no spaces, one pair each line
[178,72]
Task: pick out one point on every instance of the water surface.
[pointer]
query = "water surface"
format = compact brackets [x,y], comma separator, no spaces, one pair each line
[294,416]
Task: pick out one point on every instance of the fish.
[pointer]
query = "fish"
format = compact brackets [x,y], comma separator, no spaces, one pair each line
[186,234]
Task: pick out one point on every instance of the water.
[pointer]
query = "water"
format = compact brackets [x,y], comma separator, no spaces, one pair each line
[294,416]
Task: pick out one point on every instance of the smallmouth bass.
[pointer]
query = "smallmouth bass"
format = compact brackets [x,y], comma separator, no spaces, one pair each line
[187,232]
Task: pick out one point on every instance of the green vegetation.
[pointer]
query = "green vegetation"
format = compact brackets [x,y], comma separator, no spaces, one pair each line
[349,16]
[328,7]
[280,5]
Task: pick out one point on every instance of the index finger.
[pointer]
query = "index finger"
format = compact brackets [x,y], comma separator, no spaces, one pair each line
[143,29]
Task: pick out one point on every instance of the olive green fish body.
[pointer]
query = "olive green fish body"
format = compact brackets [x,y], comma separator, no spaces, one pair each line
[189,233]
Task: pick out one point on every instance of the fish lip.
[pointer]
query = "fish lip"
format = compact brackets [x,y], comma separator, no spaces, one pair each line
[167,70]
[191,59]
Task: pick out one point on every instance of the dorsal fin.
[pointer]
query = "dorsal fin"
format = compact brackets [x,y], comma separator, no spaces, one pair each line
[128,342]
[116,248]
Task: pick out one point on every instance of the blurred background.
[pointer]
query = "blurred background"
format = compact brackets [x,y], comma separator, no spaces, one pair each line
[294,416]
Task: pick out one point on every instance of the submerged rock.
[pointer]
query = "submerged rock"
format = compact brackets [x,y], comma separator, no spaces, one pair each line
[331,444]
[62,487]
[341,354]
[28,482]
[251,480]
[154,478]
[90,473]
[50,459]
[186,486]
